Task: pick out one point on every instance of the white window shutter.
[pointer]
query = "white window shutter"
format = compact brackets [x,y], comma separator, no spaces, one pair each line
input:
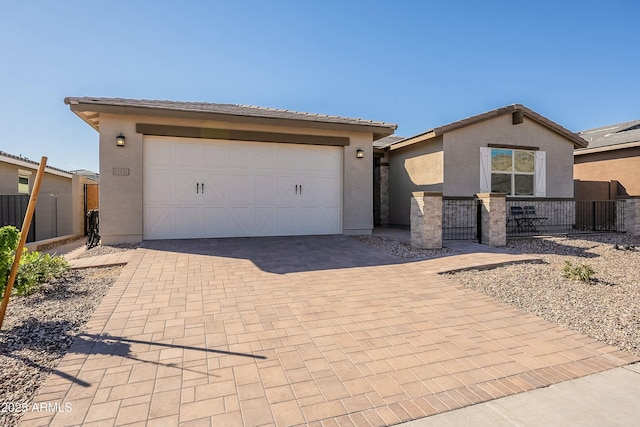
[540,185]
[485,169]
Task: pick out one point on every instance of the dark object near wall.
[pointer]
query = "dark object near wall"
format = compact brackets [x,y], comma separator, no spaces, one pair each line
[13,209]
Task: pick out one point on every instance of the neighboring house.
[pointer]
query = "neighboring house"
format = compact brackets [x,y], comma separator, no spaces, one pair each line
[511,150]
[613,154]
[59,208]
[94,176]
[197,170]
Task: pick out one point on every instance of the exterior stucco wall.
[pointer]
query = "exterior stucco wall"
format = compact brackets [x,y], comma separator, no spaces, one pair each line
[462,154]
[53,214]
[51,184]
[619,165]
[417,167]
[121,196]
[357,205]
[9,178]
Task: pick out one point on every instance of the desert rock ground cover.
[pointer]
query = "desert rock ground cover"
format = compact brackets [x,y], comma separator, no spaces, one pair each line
[39,329]
[607,308]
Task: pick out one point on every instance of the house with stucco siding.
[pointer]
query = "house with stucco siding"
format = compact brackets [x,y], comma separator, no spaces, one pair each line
[172,170]
[511,150]
[612,155]
[59,211]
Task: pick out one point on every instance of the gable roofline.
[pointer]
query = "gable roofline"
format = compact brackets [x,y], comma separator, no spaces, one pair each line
[90,108]
[578,142]
[27,163]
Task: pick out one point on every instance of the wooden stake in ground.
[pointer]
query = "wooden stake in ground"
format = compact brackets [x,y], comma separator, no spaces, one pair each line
[23,238]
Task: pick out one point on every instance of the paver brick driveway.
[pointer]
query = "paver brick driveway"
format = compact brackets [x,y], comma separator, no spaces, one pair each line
[302,330]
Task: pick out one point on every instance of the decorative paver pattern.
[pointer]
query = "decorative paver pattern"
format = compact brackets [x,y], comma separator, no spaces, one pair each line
[302,330]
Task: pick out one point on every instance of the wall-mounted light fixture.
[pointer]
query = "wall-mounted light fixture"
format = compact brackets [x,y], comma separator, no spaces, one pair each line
[360,154]
[120,140]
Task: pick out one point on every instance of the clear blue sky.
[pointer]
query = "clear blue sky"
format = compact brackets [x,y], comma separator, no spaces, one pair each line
[419,64]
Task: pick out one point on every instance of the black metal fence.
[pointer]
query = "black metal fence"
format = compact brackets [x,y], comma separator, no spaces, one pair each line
[530,217]
[460,218]
[13,209]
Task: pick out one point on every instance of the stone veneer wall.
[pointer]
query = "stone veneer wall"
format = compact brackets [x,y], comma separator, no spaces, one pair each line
[632,216]
[494,226]
[426,220]
[384,194]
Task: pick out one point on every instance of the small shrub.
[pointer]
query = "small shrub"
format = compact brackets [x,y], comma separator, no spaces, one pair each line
[34,269]
[582,272]
[9,236]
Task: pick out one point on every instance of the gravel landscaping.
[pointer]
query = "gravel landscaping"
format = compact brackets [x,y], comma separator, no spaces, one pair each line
[106,250]
[400,249]
[39,329]
[606,308]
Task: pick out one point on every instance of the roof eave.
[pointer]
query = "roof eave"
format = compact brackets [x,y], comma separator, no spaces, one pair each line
[33,165]
[90,112]
[413,140]
[622,146]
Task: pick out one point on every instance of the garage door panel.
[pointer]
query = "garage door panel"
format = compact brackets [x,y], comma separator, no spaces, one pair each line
[288,219]
[216,188]
[159,223]
[266,221]
[250,188]
[265,159]
[311,189]
[320,220]
[188,155]
[288,159]
[186,217]
[318,160]
[266,189]
[161,156]
[215,155]
[184,188]
[238,157]
[240,222]
[158,187]
[330,190]
[285,191]
[321,190]
[216,222]
[241,189]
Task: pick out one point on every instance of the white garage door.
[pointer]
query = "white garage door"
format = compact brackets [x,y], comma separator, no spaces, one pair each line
[197,188]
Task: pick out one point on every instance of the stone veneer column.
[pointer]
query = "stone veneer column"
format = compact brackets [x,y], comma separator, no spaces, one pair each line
[384,193]
[426,220]
[632,216]
[494,218]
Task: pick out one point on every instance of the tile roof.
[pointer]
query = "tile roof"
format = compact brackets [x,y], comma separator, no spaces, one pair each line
[227,109]
[31,162]
[387,141]
[578,142]
[613,136]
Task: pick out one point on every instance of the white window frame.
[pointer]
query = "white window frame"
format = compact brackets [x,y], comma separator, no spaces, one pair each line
[539,171]
[27,175]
